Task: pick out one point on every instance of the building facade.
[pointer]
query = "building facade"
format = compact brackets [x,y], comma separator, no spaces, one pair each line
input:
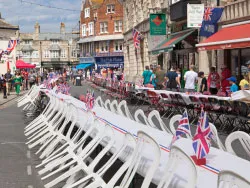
[136,15]
[7,32]
[101,41]
[49,50]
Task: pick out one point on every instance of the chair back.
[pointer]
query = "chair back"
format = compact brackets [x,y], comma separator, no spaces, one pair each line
[107,105]
[179,159]
[173,120]
[99,102]
[229,179]
[127,113]
[153,97]
[216,138]
[244,139]
[139,113]
[157,115]
[114,106]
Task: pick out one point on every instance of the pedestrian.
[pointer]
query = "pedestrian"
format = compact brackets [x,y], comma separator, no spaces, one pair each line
[244,83]
[172,79]
[146,75]
[190,78]
[32,78]
[178,71]
[18,81]
[213,81]
[203,84]
[232,81]
[225,74]
[4,87]
[25,75]
[160,78]
[8,77]
[153,78]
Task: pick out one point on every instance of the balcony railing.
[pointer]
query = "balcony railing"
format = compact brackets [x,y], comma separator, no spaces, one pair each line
[236,10]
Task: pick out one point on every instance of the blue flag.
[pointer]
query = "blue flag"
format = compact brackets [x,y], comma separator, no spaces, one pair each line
[209,24]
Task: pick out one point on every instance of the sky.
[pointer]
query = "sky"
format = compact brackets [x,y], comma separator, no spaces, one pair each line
[26,15]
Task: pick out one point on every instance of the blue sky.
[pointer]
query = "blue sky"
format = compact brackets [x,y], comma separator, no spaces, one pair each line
[26,15]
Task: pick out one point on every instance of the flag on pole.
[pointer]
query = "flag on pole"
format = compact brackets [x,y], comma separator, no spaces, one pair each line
[11,46]
[183,128]
[202,138]
[136,38]
[90,100]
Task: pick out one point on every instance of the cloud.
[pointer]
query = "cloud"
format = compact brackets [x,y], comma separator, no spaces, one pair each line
[26,15]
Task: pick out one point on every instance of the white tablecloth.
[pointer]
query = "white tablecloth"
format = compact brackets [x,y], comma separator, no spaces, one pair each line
[241,95]
[207,175]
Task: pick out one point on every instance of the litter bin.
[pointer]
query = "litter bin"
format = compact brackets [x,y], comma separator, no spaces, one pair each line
[78,80]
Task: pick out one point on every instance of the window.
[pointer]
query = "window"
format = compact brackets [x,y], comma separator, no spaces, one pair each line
[83,30]
[28,42]
[63,54]
[35,54]
[55,41]
[74,53]
[118,26]
[87,12]
[104,27]
[103,46]
[118,46]
[91,28]
[26,54]
[54,54]
[46,54]
[110,8]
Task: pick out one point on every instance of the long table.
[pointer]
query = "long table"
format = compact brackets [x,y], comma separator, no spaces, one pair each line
[217,160]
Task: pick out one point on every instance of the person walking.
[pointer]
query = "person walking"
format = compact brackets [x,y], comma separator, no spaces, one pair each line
[18,81]
[172,79]
[8,77]
[190,78]
[146,75]
[3,80]
[203,85]
[213,81]
[153,78]
[32,78]
[160,78]
[225,74]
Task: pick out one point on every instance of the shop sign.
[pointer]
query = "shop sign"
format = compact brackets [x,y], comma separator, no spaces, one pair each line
[195,15]
[158,24]
[87,60]
[104,62]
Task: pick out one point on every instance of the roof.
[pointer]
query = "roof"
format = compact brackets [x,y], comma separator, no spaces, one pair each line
[6,25]
[56,36]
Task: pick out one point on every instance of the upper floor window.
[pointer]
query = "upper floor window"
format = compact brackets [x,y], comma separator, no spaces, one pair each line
[103,46]
[91,28]
[104,27]
[118,46]
[84,30]
[55,41]
[35,54]
[86,12]
[63,53]
[46,54]
[28,42]
[26,54]
[118,26]
[54,54]
[110,8]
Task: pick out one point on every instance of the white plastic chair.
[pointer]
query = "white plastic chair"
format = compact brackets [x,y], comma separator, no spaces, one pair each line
[127,113]
[114,106]
[229,179]
[126,150]
[179,159]
[99,102]
[216,138]
[107,105]
[139,113]
[173,120]
[244,139]
[156,114]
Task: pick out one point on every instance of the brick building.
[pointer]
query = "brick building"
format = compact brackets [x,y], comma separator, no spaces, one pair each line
[101,41]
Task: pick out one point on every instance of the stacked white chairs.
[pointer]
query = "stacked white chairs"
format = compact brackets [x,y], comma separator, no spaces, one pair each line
[230,179]
[173,120]
[114,106]
[216,138]
[126,113]
[99,102]
[107,105]
[139,113]
[179,161]
[244,139]
[163,126]
[29,98]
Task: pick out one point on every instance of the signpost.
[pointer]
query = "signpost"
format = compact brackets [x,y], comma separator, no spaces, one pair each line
[158,24]
[195,15]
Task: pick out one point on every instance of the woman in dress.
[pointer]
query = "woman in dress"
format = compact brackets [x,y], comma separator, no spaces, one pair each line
[18,81]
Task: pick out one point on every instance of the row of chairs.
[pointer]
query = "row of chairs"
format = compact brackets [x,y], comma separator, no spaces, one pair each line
[64,146]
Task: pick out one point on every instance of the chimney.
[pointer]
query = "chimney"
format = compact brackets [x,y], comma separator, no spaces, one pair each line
[62,28]
[37,31]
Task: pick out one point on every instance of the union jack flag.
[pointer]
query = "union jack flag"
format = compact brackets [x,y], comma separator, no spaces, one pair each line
[202,138]
[136,38]
[183,128]
[11,46]
[90,100]
[207,14]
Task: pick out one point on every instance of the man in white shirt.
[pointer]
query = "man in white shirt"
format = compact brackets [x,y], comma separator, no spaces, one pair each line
[190,78]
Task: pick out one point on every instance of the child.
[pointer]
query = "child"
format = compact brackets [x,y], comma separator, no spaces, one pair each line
[232,82]
[203,85]
[244,84]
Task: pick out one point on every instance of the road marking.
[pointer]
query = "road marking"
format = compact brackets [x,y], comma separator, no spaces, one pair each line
[29,171]
[30,186]
[28,154]
[13,143]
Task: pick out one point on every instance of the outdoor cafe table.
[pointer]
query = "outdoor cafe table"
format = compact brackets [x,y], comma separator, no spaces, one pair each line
[217,160]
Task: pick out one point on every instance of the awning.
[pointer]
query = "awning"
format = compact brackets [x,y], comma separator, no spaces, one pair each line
[22,65]
[84,66]
[228,38]
[171,41]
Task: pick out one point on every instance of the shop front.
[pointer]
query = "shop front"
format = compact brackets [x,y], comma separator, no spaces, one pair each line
[113,62]
[234,42]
